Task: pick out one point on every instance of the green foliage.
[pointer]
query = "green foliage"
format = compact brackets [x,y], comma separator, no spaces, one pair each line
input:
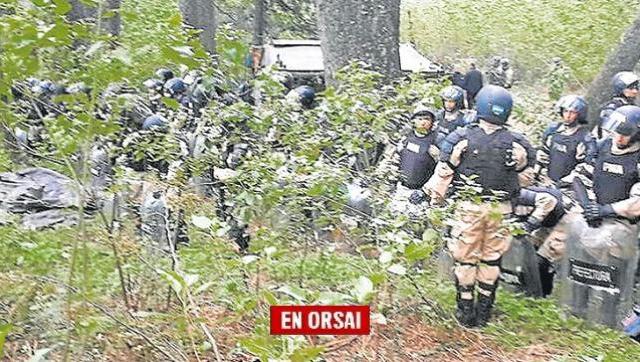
[531,33]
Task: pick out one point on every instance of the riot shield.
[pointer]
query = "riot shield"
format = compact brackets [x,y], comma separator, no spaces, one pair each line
[598,271]
[519,268]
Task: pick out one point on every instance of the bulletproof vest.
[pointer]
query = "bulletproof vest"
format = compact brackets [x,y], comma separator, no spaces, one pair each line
[446,126]
[486,157]
[416,164]
[614,175]
[562,153]
[558,211]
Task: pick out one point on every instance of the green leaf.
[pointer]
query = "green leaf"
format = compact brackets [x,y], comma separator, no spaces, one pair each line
[4,331]
[306,354]
[62,6]
[171,103]
[415,252]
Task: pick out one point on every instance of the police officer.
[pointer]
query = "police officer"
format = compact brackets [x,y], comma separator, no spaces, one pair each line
[625,91]
[451,116]
[506,73]
[472,83]
[602,258]
[416,156]
[495,74]
[494,156]
[564,144]
[545,216]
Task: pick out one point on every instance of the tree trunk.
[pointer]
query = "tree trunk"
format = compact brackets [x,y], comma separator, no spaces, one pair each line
[111,24]
[366,30]
[623,58]
[259,22]
[201,15]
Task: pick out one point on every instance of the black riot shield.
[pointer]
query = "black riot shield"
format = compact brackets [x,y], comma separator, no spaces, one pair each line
[519,269]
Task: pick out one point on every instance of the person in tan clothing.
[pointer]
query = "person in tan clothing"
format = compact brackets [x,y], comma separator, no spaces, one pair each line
[485,158]
[548,216]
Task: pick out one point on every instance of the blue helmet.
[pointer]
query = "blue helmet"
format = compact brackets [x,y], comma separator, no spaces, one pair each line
[164,74]
[622,81]
[494,104]
[153,84]
[306,95]
[626,121]
[453,93]
[574,103]
[175,86]
[155,122]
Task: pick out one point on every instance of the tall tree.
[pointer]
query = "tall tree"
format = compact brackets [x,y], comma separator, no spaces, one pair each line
[201,15]
[259,22]
[366,30]
[624,57]
[108,10]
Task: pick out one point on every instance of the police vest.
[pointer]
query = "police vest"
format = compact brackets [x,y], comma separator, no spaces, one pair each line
[486,157]
[558,211]
[416,164]
[614,175]
[446,126]
[562,153]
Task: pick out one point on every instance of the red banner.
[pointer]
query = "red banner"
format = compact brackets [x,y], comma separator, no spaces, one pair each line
[320,319]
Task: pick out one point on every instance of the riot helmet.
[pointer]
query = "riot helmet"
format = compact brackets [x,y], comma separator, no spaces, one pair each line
[452,94]
[304,94]
[175,87]
[626,122]
[622,81]
[164,74]
[420,117]
[494,104]
[573,103]
[155,122]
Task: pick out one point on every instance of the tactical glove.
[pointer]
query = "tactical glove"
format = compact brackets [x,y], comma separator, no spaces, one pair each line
[531,225]
[418,197]
[595,211]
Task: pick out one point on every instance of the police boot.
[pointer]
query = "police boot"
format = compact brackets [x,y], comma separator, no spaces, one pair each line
[486,297]
[465,314]
[546,275]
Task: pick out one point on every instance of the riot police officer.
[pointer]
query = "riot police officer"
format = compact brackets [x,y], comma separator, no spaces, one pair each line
[625,91]
[494,156]
[545,220]
[451,116]
[415,156]
[602,249]
[564,144]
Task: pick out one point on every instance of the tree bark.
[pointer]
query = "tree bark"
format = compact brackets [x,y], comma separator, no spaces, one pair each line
[623,58]
[111,25]
[201,15]
[259,22]
[366,30]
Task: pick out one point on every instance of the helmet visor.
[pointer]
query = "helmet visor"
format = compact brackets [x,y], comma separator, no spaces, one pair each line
[612,122]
